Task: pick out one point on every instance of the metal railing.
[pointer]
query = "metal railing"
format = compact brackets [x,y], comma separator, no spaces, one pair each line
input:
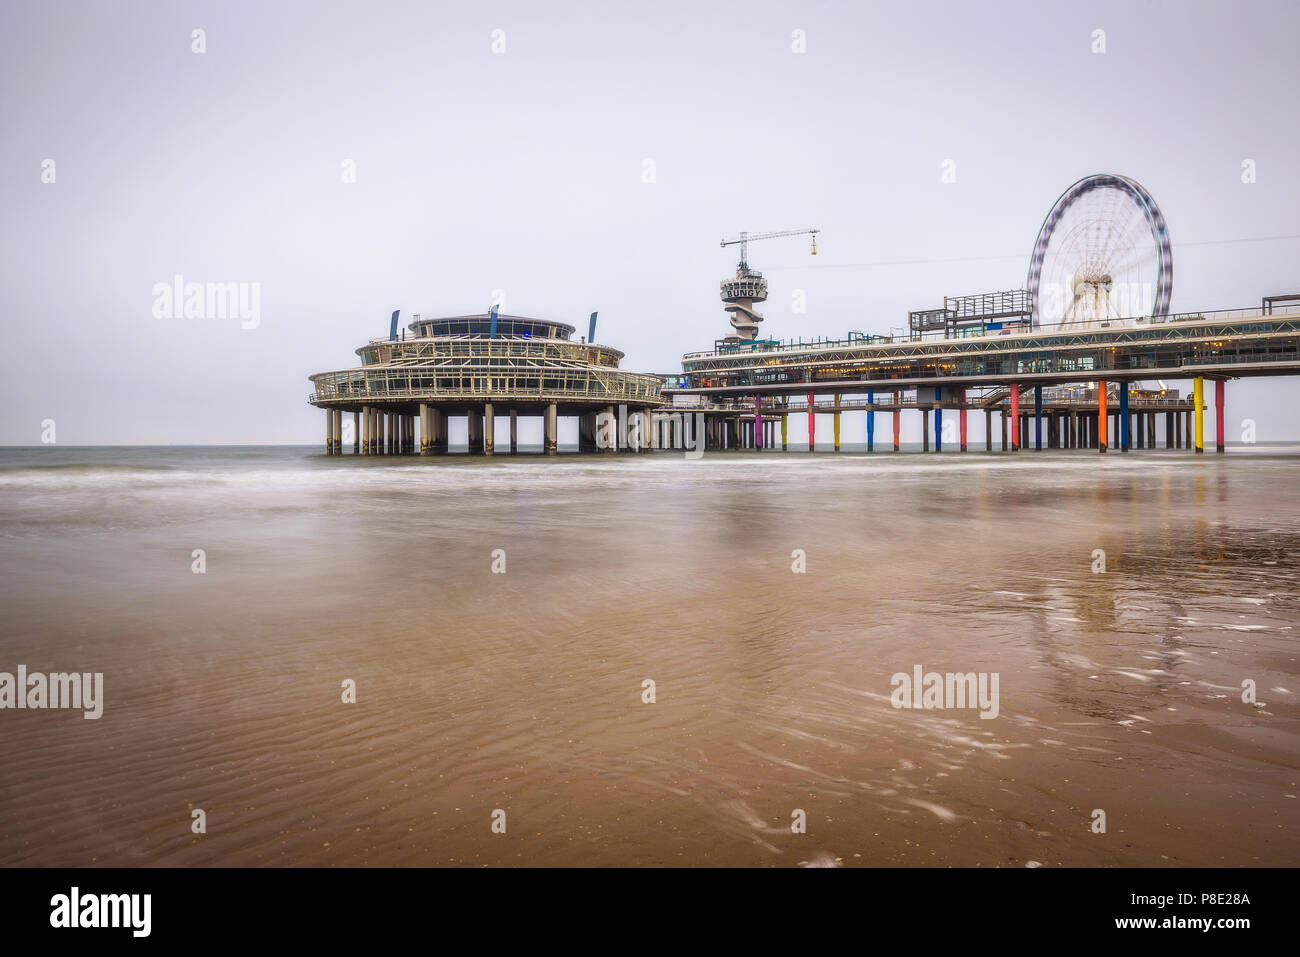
[1245,358]
[467,347]
[386,383]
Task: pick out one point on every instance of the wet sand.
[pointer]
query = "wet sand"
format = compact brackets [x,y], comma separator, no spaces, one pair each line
[522,691]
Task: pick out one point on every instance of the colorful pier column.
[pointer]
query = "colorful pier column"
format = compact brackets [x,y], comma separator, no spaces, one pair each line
[785,421]
[898,418]
[1015,417]
[1038,418]
[812,425]
[1199,391]
[758,422]
[1101,416]
[837,424]
[871,420]
[1218,415]
[1123,417]
[938,420]
[961,419]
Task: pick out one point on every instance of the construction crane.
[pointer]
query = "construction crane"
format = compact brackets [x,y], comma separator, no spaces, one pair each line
[745,239]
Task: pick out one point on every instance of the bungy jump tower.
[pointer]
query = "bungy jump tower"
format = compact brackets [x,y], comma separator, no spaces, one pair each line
[748,287]
[478,367]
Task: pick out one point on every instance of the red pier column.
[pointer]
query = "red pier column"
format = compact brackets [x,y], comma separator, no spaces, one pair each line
[1015,417]
[961,418]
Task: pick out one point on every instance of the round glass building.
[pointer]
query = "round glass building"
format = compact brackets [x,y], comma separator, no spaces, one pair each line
[478,367]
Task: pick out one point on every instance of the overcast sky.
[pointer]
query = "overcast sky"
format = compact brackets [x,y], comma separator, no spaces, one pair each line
[525,171]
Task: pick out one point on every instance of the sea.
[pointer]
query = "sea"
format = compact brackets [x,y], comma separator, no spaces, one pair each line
[649,660]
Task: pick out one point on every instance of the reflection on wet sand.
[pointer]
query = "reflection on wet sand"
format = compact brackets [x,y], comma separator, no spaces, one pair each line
[1120,689]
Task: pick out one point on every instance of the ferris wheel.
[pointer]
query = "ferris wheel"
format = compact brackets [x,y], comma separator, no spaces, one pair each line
[1102,256]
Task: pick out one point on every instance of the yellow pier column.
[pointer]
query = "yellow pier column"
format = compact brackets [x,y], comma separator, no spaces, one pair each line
[837,424]
[1198,393]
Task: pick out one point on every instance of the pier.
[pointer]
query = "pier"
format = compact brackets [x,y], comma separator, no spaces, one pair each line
[407,389]
[1051,387]
[1068,362]
[1065,363]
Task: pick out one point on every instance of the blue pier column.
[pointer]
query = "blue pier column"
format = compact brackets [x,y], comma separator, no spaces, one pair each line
[1123,416]
[938,421]
[1038,418]
[871,420]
